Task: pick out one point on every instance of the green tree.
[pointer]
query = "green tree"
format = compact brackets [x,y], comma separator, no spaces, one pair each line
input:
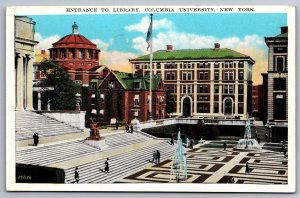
[62,97]
[170,102]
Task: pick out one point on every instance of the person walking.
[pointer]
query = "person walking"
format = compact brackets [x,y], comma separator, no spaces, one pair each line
[284,152]
[191,144]
[131,128]
[157,156]
[258,140]
[76,175]
[266,137]
[172,140]
[154,157]
[35,139]
[224,146]
[117,125]
[127,127]
[247,171]
[106,168]
[256,135]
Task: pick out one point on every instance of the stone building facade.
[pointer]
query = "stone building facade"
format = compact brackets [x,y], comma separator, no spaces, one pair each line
[215,82]
[24,58]
[277,84]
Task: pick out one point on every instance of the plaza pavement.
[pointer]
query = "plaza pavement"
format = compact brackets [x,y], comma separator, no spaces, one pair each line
[130,154]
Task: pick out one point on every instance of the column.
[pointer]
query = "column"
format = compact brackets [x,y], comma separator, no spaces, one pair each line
[195,88]
[29,76]
[236,86]
[220,88]
[212,88]
[178,111]
[39,101]
[19,82]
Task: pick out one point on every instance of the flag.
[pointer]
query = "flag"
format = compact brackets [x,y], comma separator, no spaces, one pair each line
[149,34]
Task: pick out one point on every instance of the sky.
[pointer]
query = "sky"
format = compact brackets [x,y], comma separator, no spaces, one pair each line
[121,37]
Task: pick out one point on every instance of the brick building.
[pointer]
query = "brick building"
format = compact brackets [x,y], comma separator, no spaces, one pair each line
[213,82]
[124,97]
[276,84]
[257,101]
[78,55]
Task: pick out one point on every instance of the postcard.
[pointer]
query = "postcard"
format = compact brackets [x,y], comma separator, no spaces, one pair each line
[151,98]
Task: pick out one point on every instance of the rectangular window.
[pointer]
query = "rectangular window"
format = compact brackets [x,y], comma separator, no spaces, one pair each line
[137,66]
[158,66]
[228,89]
[241,89]
[241,75]
[240,108]
[216,75]
[187,75]
[173,76]
[216,65]
[241,64]
[216,89]
[168,76]
[279,63]
[136,100]
[216,107]
[206,76]
[187,89]
[279,84]
[136,85]
[229,75]
[187,65]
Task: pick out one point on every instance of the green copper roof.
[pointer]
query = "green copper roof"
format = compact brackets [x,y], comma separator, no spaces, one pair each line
[193,54]
[128,81]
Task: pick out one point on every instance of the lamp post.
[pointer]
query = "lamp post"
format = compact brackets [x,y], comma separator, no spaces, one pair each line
[78,100]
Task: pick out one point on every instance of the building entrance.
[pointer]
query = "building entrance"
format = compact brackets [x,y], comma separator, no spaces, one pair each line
[186,107]
[228,106]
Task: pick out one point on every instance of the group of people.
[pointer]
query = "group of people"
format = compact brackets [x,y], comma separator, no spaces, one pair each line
[156,157]
[106,170]
[283,150]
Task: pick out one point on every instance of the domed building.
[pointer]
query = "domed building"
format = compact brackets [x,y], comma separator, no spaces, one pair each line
[78,55]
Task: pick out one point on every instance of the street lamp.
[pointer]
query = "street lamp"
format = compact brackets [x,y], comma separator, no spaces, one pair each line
[78,100]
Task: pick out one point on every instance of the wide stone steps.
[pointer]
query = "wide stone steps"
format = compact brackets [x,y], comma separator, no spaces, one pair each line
[50,154]
[120,165]
[28,123]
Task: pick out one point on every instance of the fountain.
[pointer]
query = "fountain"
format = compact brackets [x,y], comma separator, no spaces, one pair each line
[178,166]
[247,143]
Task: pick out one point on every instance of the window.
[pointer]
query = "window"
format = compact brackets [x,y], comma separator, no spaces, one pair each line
[216,75]
[229,75]
[241,64]
[170,88]
[136,100]
[158,66]
[228,89]
[187,89]
[89,54]
[216,88]
[279,63]
[203,107]
[241,75]
[240,108]
[216,65]
[203,75]
[279,84]
[93,85]
[280,49]
[136,85]
[80,53]
[187,76]
[187,65]
[203,88]
[137,66]
[216,107]
[241,89]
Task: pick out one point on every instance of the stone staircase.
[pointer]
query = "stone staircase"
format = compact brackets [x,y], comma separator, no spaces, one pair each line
[28,123]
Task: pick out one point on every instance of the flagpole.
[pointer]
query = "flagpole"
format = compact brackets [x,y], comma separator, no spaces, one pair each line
[150,84]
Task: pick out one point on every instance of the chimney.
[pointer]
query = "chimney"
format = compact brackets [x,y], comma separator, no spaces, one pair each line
[284,29]
[217,45]
[169,48]
[43,52]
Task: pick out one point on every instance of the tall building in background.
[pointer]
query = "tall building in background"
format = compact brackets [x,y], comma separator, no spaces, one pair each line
[257,101]
[24,57]
[215,82]
[277,84]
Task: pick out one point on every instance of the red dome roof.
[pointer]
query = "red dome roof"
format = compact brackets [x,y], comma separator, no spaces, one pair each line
[74,39]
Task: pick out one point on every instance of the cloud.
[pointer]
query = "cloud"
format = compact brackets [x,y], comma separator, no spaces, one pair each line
[101,44]
[45,43]
[143,25]
[251,45]
[117,60]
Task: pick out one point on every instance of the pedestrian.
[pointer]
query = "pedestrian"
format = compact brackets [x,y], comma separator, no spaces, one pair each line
[191,144]
[258,140]
[76,175]
[131,128]
[127,127]
[117,125]
[224,146]
[154,157]
[256,134]
[282,148]
[106,168]
[284,152]
[247,171]
[35,139]
[157,156]
[172,140]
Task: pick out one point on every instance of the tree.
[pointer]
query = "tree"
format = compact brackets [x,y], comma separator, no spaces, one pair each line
[62,97]
[170,102]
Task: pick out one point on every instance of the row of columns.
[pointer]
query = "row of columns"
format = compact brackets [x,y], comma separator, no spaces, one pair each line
[24,81]
[56,53]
